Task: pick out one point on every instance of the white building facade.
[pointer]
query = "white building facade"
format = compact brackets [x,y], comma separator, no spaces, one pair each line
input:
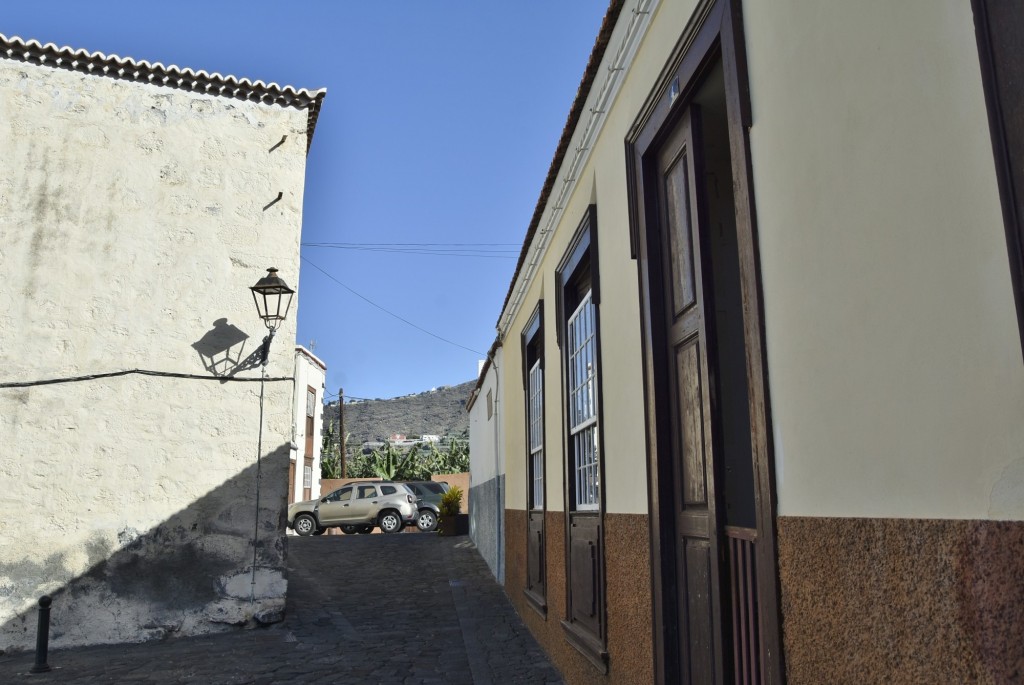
[487,467]
[304,463]
[138,203]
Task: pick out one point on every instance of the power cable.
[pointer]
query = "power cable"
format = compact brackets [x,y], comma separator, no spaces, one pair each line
[391,313]
[141,372]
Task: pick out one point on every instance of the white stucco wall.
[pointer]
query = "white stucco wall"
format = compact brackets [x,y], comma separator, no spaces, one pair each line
[483,466]
[897,385]
[487,483]
[132,219]
[310,372]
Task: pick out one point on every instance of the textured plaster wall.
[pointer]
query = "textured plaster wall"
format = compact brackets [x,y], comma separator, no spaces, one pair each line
[132,221]
[897,385]
[902,600]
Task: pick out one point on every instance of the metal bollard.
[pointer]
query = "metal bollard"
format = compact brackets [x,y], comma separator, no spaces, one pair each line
[42,636]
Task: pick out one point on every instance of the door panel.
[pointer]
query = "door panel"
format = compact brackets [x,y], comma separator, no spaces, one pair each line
[535,553]
[690,423]
[689,327]
[584,608]
[332,511]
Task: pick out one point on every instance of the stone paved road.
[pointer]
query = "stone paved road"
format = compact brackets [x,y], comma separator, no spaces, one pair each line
[389,609]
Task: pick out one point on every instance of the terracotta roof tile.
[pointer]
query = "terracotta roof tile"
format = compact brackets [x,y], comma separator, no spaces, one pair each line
[170,76]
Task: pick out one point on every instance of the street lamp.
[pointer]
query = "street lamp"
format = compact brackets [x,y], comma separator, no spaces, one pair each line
[273,297]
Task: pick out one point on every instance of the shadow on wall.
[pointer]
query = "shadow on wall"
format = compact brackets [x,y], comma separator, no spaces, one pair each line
[191,574]
[221,349]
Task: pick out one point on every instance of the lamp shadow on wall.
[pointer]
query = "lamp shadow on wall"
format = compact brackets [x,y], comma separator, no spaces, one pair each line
[221,350]
[193,569]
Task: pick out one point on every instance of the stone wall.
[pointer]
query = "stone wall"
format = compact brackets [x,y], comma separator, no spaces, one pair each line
[133,218]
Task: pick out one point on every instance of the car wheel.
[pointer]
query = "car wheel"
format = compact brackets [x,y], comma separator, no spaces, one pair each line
[305,524]
[348,530]
[390,522]
[426,521]
[364,529]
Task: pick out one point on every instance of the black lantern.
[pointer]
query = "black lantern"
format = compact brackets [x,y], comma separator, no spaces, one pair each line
[273,298]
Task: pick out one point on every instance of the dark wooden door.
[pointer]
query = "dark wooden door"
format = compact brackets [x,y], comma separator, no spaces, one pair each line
[688,310]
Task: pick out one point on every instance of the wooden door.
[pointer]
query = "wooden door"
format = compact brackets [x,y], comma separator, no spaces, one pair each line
[689,327]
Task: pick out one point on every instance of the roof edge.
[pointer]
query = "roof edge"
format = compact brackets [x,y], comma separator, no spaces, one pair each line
[604,35]
[170,76]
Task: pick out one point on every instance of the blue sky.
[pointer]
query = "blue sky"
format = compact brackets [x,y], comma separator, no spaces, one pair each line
[440,121]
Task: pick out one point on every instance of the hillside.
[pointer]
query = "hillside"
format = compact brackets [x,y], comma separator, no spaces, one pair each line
[438,412]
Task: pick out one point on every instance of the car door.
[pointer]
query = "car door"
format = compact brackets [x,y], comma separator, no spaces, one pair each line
[334,507]
[364,504]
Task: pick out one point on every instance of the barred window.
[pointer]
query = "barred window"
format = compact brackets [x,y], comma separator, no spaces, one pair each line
[583,403]
[536,395]
[307,476]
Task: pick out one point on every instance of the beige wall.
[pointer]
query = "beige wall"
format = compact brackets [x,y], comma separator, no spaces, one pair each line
[897,385]
[602,181]
[131,220]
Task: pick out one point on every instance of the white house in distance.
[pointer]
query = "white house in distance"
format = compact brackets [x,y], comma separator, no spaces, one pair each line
[487,467]
[138,204]
[304,461]
[761,402]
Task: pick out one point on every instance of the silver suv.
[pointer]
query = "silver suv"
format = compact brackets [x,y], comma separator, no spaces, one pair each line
[356,507]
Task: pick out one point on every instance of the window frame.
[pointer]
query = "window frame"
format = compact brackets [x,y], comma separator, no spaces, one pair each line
[533,358]
[581,256]
[1001,65]
[585,625]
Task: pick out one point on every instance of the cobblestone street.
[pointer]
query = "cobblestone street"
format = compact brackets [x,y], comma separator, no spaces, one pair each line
[361,609]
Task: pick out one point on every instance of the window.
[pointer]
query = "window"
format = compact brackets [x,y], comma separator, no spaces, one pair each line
[307,477]
[583,402]
[388,489]
[536,399]
[490,405]
[533,385]
[533,391]
[343,495]
[366,491]
[578,335]
[310,402]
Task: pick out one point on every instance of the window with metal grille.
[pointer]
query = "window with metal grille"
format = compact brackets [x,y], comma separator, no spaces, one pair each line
[307,476]
[536,394]
[580,334]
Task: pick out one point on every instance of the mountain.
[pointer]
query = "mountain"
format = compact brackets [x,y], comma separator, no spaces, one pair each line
[441,411]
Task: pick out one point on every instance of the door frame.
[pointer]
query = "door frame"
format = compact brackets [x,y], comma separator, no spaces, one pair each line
[715,30]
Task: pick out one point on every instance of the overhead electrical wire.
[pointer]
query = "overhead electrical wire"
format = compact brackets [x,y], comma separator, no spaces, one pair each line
[469,250]
[391,313]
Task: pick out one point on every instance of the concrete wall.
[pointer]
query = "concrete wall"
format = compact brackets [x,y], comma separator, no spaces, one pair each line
[486,493]
[133,218]
[310,372]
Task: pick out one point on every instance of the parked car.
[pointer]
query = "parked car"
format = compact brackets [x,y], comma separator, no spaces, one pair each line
[429,502]
[356,508]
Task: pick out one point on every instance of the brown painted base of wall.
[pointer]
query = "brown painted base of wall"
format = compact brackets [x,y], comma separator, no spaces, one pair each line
[902,601]
[627,561]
